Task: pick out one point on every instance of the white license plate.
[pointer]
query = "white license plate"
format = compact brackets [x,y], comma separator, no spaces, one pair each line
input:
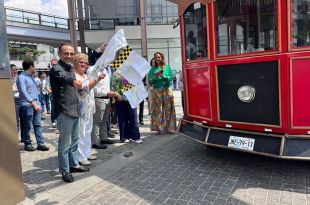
[241,143]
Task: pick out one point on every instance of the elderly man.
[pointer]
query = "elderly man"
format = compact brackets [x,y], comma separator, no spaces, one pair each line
[67,111]
[102,94]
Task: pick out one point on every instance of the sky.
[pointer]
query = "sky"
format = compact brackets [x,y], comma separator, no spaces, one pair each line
[54,7]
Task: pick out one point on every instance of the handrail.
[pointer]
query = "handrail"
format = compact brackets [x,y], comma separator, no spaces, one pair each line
[42,19]
[36,18]
[34,12]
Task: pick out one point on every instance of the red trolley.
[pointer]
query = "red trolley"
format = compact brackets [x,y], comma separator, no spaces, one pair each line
[246,72]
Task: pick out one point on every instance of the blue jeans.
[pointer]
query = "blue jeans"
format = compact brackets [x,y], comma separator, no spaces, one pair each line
[69,134]
[45,101]
[27,116]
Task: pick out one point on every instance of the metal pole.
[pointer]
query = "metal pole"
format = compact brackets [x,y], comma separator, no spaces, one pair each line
[143,29]
[4,54]
[72,25]
[12,187]
[81,25]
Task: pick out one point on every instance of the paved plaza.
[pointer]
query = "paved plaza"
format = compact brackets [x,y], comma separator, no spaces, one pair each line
[167,169]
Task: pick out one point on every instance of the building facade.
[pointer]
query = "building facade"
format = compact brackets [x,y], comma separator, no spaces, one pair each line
[103,17]
[40,53]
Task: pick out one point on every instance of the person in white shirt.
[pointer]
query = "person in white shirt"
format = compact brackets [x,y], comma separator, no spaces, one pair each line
[14,74]
[44,94]
[102,94]
[87,108]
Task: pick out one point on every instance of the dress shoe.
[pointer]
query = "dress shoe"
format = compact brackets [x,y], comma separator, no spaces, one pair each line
[101,146]
[111,134]
[29,148]
[92,157]
[107,141]
[85,163]
[43,147]
[67,177]
[79,169]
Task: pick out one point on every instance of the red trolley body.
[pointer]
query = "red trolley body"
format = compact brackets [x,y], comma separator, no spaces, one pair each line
[246,73]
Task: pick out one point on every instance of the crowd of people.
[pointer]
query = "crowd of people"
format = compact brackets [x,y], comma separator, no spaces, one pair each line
[83,102]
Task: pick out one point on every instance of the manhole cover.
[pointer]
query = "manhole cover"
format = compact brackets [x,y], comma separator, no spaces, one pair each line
[128,154]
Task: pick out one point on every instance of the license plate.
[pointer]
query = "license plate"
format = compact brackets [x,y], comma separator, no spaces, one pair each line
[241,143]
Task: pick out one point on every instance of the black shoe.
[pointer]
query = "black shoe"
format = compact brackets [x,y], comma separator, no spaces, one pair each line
[102,146]
[67,177]
[141,123]
[29,148]
[111,134]
[79,169]
[107,141]
[43,147]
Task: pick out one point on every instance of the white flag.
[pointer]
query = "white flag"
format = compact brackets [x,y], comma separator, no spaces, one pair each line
[134,68]
[117,42]
[136,94]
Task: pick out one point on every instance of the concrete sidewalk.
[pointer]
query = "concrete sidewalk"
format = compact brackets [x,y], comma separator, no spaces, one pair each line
[43,183]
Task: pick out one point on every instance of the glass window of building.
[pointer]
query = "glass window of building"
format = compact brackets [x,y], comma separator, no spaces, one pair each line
[246,26]
[301,23]
[195,31]
[161,12]
[170,47]
[127,12]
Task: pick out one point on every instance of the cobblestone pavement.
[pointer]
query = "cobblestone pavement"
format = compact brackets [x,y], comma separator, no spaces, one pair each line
[181,171]
[40,169]
[185,172]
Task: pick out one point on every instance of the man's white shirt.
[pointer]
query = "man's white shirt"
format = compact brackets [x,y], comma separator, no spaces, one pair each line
[103,86]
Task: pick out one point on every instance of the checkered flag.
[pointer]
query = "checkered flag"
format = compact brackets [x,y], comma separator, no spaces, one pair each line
[117,42]
[121,58]
[127,87]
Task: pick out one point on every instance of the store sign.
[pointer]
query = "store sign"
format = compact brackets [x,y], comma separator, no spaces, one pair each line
[21,45]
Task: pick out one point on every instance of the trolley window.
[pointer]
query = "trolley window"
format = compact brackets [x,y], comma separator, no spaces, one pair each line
[301,23]
[195,31]
[246,26]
